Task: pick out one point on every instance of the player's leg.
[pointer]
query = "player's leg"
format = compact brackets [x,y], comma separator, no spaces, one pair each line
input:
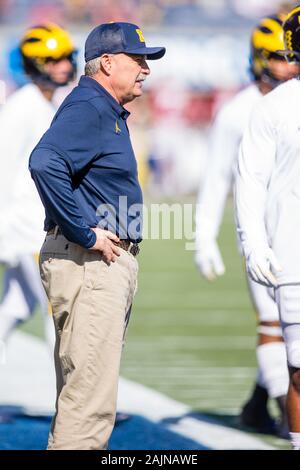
[272,377]
[272,363]
[288,300]
[31,275]
[22,292]
[15,307]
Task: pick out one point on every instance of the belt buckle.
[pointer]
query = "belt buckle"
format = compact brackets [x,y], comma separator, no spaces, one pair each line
[134,249]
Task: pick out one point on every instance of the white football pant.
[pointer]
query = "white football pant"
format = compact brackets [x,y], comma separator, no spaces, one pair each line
[271,357]
[22,293]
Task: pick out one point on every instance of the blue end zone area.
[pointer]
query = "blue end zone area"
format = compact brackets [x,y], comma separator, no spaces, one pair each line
[140,434]
[19,431]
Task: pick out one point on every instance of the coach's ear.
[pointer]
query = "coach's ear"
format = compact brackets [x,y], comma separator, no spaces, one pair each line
[106,63]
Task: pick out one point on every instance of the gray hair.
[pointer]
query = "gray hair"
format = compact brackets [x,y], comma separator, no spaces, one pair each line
[92,67]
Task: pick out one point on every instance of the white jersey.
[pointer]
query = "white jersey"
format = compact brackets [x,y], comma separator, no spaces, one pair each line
[224,140]
[268,180]
[23,120]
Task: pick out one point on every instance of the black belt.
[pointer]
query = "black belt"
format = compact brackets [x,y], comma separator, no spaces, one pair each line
[126,245]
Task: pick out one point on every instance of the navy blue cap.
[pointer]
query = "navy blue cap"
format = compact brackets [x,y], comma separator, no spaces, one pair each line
[112,38]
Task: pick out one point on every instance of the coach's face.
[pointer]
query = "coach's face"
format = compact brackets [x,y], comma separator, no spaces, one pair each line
[128,73]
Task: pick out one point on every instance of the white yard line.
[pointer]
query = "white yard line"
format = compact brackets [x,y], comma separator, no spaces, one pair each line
[194,366]
[230,373]
[27,380]
[137,399]
[194,317]
[195,342]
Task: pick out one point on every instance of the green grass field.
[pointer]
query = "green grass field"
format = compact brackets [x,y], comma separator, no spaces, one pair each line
[190,339]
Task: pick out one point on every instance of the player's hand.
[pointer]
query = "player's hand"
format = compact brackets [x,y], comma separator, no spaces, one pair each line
[259,264]
[105,244]
[209,260]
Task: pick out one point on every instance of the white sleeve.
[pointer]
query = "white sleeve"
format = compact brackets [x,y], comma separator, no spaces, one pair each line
[223,149]
[255,165]
[13,142]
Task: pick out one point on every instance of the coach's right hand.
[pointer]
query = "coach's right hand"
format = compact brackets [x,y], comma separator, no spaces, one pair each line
[105,244]
[209,260]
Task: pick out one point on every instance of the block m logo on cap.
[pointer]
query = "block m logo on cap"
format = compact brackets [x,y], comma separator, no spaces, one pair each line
[140,35]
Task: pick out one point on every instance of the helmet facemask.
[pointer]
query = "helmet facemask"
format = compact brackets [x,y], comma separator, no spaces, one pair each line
[266,39]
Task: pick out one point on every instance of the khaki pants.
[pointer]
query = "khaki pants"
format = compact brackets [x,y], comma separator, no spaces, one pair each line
[91,304]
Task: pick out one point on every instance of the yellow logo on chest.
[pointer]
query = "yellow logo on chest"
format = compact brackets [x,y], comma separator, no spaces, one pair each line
[117,129]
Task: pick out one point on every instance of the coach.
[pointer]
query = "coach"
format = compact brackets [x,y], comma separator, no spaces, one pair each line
[86,174]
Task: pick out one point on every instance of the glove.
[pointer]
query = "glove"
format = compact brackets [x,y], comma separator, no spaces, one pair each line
[259,265]
[209,260]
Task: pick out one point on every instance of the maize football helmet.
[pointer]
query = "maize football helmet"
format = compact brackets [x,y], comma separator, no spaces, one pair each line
[43,43]
[291,35]
[266,40]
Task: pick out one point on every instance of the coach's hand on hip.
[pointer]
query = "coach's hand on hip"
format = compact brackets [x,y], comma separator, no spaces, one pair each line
[105,243]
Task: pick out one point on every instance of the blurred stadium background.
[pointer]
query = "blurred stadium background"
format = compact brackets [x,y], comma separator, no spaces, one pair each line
[192,341]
